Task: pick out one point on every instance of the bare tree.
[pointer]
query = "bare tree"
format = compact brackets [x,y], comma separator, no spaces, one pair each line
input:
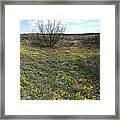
[51,31]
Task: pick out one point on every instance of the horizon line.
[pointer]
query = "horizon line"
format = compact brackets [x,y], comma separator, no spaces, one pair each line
[61,33]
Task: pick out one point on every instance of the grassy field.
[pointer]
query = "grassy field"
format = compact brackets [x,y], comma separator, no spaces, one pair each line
[66,73]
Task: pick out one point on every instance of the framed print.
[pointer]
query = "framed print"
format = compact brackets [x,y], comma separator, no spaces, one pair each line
[59,60]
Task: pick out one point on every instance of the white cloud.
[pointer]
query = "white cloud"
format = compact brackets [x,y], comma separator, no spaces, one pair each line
[72,26]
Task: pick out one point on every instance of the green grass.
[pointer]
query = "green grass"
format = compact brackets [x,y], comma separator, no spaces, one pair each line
[59,73]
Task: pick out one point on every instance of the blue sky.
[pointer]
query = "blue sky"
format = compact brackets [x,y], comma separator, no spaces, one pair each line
[72,26]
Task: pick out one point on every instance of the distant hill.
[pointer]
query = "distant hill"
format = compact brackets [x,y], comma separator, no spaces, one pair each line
[82,40]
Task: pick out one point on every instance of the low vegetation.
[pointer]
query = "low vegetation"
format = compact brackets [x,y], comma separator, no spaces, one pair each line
[61,73]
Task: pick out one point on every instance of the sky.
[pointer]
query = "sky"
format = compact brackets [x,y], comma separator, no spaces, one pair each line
[72,26]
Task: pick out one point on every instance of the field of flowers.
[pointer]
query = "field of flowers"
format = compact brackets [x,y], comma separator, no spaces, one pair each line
[66,73]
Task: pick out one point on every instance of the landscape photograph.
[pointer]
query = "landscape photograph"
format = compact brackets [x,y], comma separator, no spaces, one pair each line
[60,59]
